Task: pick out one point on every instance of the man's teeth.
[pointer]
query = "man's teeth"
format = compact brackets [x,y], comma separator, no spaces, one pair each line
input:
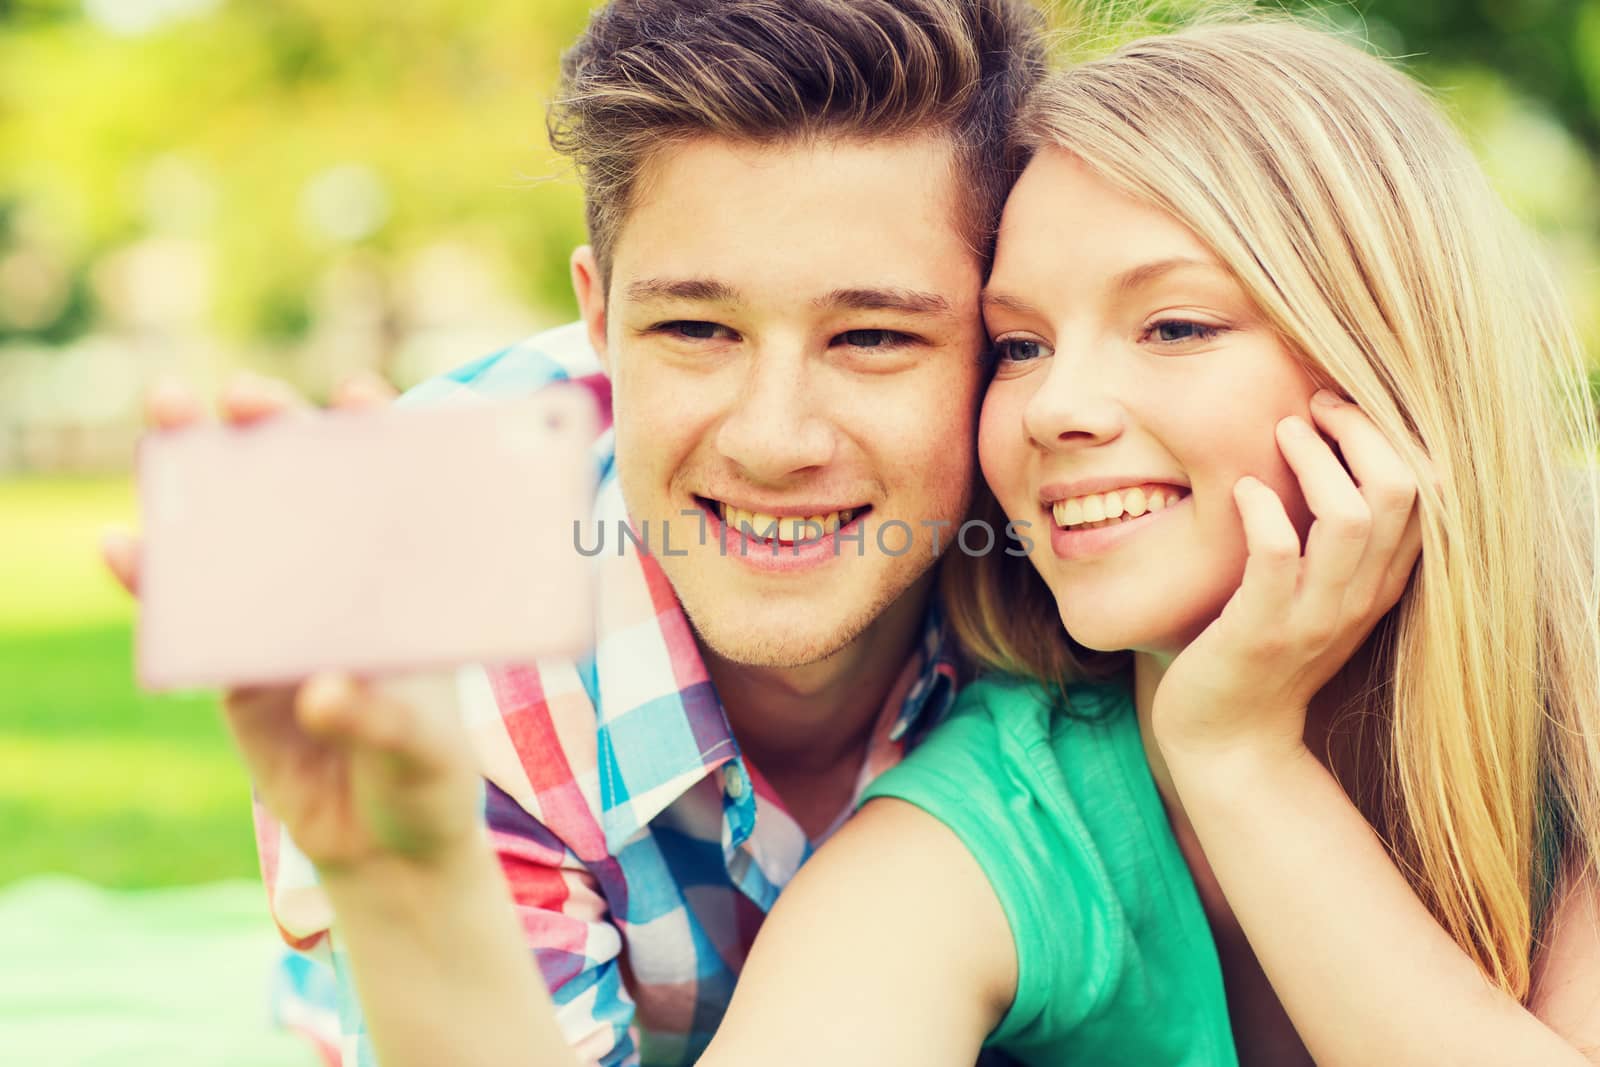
[1107,507]
[787,528]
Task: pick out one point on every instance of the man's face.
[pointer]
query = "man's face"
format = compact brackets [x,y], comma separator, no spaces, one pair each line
[793,332]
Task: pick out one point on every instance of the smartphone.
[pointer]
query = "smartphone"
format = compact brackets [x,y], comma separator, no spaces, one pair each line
[375,542]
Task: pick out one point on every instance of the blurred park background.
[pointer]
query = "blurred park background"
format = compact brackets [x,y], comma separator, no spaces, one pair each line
[307,189]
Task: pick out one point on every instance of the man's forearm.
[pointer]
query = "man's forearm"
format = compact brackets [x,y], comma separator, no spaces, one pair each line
[441,967]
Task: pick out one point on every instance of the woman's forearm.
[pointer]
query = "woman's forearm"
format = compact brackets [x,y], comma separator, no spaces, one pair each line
[1364,971]
[441,967]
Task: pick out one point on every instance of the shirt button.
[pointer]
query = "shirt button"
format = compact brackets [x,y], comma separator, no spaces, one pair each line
[735,782]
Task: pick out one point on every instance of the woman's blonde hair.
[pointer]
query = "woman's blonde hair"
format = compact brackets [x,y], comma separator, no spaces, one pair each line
[1362,227]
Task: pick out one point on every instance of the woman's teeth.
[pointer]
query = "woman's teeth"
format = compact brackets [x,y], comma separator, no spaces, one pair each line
[1103,509]
[788,528]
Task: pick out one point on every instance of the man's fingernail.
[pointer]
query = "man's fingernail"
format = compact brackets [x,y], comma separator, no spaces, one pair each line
[359,389]
[329,687]
[168,400]
[168,386]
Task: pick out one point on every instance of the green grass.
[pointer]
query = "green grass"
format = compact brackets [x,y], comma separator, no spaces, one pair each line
[98,779]
[50,576]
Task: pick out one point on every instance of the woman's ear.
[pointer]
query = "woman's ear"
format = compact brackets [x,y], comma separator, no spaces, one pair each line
[589,288]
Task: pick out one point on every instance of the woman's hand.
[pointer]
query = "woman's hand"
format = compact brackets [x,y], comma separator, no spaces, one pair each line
[1249,677]
[359,773]
[1337,928]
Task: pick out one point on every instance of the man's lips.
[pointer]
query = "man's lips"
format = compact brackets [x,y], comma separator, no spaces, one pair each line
[784,523]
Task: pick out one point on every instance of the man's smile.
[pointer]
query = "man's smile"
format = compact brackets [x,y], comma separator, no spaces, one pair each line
[786,524]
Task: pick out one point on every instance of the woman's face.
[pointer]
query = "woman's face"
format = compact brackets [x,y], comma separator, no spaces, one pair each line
[1136,384]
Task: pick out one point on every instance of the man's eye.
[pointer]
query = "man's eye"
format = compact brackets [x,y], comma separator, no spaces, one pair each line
[1020,350]
[873,338]
[1175,331]
[694,330]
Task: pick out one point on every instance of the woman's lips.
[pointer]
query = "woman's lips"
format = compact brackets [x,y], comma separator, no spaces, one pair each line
[1093,539]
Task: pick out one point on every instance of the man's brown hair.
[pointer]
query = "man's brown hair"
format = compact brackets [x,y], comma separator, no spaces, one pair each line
[649,73]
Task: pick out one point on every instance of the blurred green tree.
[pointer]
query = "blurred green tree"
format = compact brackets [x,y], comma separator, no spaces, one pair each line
[285,137]
[1548,49]
[265,130]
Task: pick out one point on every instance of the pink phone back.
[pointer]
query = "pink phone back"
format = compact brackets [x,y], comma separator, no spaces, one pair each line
[382,542]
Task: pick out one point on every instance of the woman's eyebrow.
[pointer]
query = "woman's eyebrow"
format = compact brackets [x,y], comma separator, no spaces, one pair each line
[1126,282]
[1004,302]
[1146,273]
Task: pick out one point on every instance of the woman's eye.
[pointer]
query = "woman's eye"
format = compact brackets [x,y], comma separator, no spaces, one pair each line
[1176,331]
[873,338]
[1020,350]
[694,330]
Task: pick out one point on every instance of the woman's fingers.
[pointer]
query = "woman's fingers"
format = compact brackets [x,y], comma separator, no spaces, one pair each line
[1272,567]
[1403,562]
[1389,488]
[1341,519]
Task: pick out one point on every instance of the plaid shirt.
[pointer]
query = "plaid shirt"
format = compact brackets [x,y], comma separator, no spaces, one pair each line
[642,850]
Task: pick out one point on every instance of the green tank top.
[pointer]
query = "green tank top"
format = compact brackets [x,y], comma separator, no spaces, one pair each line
[1115,960]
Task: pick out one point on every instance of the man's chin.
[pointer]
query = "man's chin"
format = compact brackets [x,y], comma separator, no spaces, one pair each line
[795,623]
[775,649]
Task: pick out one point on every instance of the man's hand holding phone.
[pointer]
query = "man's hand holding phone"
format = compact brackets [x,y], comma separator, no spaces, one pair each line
[369,775]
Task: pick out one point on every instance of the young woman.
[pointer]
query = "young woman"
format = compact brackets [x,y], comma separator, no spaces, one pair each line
[1312,771]
[1279,790]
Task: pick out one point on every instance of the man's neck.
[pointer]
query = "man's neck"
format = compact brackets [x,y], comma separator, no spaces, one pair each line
[809,725]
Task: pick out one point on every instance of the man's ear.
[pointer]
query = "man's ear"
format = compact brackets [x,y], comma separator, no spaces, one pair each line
[590,290]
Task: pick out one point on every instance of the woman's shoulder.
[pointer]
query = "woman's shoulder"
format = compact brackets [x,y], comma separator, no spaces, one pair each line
[998,773]
[1008,735]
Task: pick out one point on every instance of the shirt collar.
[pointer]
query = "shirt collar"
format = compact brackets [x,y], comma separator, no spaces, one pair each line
[934,691]
[661,728]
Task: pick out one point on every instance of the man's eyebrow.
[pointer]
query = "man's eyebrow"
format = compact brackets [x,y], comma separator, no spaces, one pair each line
[705,290]
[889,299]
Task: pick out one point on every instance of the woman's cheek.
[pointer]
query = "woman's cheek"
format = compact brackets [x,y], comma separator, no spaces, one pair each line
[1002,440]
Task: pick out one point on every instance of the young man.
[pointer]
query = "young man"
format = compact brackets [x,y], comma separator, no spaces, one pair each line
[790,209]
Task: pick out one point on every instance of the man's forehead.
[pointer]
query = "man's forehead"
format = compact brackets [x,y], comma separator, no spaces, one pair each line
[886,181]
[854,226]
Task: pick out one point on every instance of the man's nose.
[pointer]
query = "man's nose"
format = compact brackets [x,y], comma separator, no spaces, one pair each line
[774,428]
